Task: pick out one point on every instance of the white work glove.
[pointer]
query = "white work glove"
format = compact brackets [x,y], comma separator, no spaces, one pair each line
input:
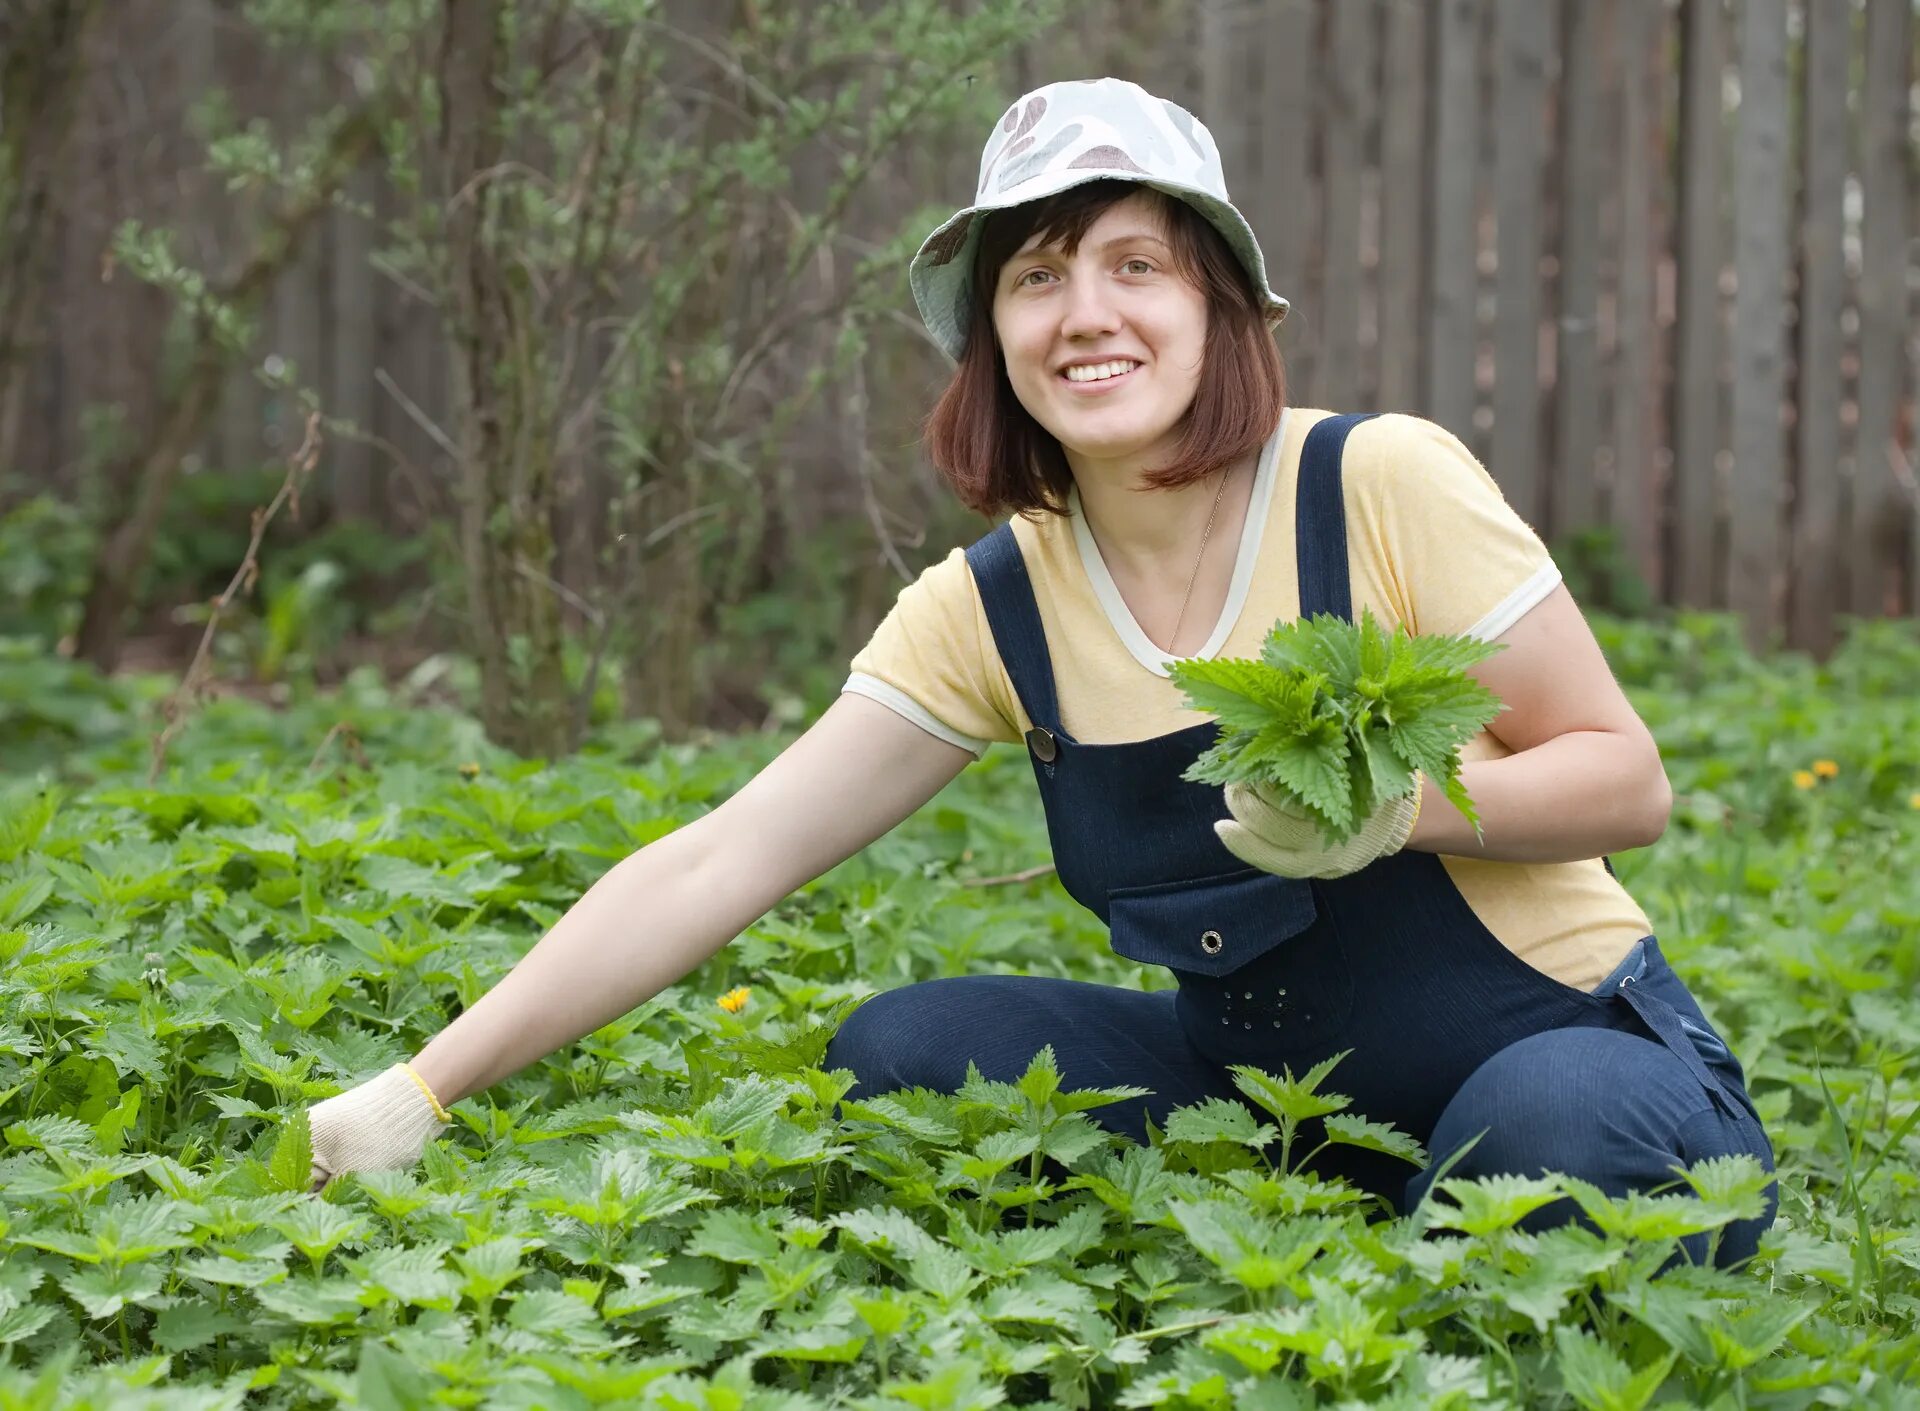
[1269,832]
[382,1125]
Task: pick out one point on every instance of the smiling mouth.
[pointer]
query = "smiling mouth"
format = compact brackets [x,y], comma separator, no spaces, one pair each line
[1111,380]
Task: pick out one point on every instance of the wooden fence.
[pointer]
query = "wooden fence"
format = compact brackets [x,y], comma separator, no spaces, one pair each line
[1652,259]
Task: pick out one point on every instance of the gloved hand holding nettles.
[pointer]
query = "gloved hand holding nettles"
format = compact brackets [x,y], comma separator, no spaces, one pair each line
[1323,739]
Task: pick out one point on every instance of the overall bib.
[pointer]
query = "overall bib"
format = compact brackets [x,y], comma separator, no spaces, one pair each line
[1449,1031]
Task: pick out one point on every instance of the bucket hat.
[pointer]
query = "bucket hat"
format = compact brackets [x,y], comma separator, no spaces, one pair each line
[1061,136]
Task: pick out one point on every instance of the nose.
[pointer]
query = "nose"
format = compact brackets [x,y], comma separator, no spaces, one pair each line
[1090,311]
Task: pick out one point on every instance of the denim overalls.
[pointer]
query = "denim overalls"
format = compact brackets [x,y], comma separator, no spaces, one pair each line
[1390,962]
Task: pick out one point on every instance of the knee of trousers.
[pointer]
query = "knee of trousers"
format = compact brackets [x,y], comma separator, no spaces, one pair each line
[915,1036]
[1609,1107]
[869,1042]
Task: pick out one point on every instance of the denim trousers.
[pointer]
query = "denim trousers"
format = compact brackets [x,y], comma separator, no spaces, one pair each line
[1609,1106]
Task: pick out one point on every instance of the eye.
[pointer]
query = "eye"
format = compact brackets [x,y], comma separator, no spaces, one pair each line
[1136,260]
[1021,282]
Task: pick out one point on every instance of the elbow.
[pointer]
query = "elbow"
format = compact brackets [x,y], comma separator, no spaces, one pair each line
[1655,804]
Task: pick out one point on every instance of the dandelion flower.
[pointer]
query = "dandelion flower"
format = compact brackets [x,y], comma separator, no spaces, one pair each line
[1803,779]
[1825,768]
[1913,800]
[469,771]
[735,1000]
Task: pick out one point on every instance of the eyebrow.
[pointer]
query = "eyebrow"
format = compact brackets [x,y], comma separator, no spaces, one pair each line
[1139,237]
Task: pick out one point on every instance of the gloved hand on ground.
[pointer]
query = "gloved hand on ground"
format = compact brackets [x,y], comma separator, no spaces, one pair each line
[384,1124]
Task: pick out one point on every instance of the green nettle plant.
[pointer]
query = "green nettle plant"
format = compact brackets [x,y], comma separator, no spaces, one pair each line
[683,1211]
[1341,717]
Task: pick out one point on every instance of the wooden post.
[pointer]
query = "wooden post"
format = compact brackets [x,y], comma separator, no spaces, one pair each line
[1451,273]
[1576,399]
[1817,584]
[1883,510]
[352,327]
[1696,396]
[1349,102]
[1403,185]
[1523,36]
[1760,261]
[1634,505]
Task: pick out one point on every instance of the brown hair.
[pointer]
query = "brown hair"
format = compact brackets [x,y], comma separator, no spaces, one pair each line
[999,460]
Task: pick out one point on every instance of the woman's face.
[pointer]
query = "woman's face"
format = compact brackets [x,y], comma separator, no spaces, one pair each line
[1117,299]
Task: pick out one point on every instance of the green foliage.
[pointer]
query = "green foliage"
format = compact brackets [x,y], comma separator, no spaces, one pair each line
[682,1210]
[1340,717]
[46,550]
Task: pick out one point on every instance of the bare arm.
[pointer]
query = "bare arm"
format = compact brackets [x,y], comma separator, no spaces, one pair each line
[659,914]
[1585,777]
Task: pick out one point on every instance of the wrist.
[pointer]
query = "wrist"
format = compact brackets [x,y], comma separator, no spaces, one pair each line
[439,1112]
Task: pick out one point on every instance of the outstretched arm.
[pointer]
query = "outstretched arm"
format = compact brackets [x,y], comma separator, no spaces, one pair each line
[653,918]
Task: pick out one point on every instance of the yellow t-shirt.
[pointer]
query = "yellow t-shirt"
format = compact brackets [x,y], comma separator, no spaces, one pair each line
[1431,543]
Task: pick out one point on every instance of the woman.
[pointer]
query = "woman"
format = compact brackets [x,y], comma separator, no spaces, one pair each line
[1119,390]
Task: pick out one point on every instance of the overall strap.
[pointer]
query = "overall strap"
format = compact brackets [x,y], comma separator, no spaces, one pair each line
[1007,594]
[1320,519]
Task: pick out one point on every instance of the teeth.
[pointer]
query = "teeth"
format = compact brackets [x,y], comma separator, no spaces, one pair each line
[1094,372]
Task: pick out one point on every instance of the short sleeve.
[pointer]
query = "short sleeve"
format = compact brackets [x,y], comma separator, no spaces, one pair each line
[1449,554]
[932,659]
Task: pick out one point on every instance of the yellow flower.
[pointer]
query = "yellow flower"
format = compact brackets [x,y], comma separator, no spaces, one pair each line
[733,1001]
[469,771]
[1803,779]
[1913,800]
[1825,768]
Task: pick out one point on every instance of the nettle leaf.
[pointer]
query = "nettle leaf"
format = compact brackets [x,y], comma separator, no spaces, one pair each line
[1218,1119]
[1338,717]
[49,1133]
[736,1236]
[1599,1379]
[1493,1203]
[291,1165]
[1294,1099]
[1348,1130]
[19,1324]
[316,1227]
[1254,1250]
[104,1291]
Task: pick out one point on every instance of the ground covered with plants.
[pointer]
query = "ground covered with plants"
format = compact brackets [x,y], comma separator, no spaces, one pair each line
[671,1214]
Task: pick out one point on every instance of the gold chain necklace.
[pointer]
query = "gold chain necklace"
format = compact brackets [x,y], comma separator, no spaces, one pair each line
[1196,561]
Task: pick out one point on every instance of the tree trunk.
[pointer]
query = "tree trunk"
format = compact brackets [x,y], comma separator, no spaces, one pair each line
[41,74]
[504,424]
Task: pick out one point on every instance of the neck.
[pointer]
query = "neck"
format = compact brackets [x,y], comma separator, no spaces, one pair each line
[1155,534]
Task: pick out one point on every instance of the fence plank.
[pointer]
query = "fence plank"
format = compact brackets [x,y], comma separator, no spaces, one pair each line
[351,346]
[1403,173]
[1279,49]
[1696,402]
[1634,504]
[1576,401]
[1883,512]
[1451,273]
[1818,586]
[1348,104]
[1760,263]
[1523,34]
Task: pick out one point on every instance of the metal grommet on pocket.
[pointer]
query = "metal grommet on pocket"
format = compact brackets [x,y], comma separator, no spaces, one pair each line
[1040,740]
[1211,942]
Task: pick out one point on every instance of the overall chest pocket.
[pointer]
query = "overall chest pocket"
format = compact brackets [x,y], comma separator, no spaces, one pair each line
[1212,926]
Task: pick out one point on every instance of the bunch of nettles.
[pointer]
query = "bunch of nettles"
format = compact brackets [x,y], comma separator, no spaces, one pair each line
[1337,718]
